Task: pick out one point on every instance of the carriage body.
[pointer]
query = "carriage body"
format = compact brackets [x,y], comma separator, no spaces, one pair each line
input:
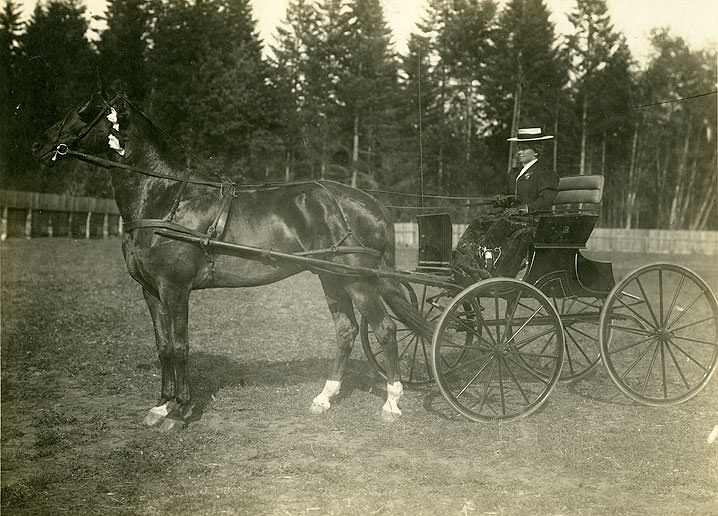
[558,321]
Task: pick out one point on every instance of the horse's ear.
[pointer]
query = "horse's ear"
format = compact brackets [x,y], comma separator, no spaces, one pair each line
[100,85]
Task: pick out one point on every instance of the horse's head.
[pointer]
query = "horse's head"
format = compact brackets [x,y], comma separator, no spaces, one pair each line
[91,129]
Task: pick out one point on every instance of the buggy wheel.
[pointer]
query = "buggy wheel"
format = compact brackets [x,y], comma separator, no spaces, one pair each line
[414,362]
[580,319]
[512,361]
[659,334]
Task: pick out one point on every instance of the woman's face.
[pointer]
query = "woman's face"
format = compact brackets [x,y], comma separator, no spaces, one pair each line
[526,153]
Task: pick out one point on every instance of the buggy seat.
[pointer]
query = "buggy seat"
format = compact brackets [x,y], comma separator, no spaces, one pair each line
[573,215]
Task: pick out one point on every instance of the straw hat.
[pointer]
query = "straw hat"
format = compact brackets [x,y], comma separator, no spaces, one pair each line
[530,134]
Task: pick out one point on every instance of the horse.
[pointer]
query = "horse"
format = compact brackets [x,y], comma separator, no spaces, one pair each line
[157,188]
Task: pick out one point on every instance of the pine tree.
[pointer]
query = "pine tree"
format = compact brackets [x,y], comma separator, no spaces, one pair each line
[55,72]
[592,46]
[675,174]
[368,85]
[122,46]
[210,83]
[10,27]
[526,76]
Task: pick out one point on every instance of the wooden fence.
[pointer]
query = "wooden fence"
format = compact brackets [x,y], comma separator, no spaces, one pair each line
[32,214]
[657,241]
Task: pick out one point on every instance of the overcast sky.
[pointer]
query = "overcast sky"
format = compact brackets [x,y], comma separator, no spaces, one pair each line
[694,20]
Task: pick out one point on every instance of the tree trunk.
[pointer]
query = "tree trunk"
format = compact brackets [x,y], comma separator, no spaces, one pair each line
[584,129]
[514,124]
[679,189]
[286,166]
[355,152]
[631,187]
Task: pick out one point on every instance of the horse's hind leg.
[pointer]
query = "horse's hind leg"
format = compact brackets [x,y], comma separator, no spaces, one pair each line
[346,327]
[366,297]
[169,316]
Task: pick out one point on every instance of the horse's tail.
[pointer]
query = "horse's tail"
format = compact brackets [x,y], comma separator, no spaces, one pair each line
[394,296]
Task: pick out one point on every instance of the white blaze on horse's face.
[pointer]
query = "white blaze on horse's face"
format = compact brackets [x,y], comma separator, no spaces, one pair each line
[112,140]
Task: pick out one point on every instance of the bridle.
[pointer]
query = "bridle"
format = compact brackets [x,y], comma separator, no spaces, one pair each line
[64,149]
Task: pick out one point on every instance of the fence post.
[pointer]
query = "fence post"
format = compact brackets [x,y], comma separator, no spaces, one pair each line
[50,229]
[3,228]
[28,223]
[87,225]
[69,224]
[105,226]
[119,225]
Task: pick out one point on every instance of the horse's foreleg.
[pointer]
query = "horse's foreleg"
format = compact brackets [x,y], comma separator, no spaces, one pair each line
[170,316]
[160,321]
[366,298]
[346,327]
[176,299]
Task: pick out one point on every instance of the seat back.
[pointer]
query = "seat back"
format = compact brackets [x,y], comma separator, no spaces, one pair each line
[573,215]
[435,242]
[579,194]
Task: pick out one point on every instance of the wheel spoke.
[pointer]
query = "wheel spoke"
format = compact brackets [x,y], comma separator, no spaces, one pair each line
[618,298]
[578,345]
[635,362]
[528,370]
[687,309]
[650,366]
[675,299]
[524,324]
[660,296]
[648,305]
[635,331]
[632,345]
[697,341]
[691,324]
[689,357]
[677,365]
[452,369]
[517,383]
[478,373]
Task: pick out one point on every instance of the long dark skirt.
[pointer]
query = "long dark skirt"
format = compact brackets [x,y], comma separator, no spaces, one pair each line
[492,246]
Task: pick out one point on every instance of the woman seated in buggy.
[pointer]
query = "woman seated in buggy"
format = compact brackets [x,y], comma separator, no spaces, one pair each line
[496,245]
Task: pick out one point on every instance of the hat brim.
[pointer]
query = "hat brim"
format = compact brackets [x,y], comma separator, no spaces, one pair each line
[540,138]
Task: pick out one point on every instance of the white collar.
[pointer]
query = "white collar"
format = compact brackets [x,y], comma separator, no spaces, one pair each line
[526,167]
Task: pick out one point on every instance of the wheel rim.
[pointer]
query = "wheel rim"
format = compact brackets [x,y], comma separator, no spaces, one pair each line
[659,334]
[514,359]
[414,358]
[580,318]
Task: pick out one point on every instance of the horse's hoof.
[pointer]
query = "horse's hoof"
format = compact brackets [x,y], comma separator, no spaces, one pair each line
[316,408]
[154,419]
[390,417]
[171,424]
[157,414]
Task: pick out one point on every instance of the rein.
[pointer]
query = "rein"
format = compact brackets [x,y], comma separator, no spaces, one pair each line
[106,163]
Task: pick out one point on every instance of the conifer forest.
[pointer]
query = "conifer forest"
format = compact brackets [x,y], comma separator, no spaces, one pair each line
[330,98]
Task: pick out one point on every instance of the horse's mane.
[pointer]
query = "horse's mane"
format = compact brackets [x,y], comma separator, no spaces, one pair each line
[170,148]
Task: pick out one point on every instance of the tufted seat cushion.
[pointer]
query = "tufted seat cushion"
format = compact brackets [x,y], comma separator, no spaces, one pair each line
[579,193]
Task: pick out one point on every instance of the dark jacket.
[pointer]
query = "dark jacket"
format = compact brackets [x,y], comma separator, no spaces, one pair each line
[536,188]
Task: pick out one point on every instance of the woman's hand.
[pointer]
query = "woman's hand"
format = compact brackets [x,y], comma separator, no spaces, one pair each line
[505,201]
[515,210]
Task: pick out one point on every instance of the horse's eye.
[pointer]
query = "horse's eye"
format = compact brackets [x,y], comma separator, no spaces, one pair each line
[87,113]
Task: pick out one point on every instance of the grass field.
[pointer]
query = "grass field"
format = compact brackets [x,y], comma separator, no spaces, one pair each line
[79,372]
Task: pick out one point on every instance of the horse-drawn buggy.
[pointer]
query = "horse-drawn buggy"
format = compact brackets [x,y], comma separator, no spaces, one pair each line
[495,348]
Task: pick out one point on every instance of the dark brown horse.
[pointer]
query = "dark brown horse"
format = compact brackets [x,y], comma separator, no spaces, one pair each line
[156,189]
